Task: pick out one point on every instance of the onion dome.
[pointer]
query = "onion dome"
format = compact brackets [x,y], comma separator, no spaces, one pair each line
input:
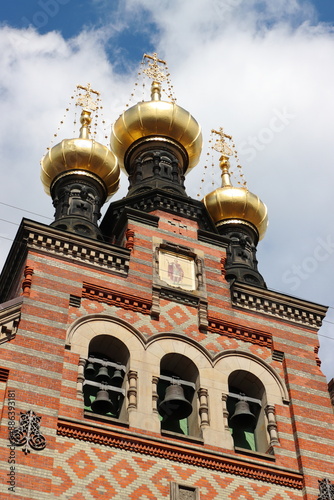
[83,156]
[157,120]
[80,174]
[231,205]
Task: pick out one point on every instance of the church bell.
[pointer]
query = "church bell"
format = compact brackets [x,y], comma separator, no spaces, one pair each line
[175,405]
[89,371]
[242,416]
[103,375]
[117,378]
[102,403]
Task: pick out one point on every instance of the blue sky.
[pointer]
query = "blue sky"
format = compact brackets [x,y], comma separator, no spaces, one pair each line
[262,69]
[130,41]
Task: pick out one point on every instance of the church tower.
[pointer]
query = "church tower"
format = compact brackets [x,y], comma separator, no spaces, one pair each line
[144,357]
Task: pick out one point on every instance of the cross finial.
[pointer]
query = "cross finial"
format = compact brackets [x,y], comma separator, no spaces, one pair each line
[221,144]
[86,101]
[154,70]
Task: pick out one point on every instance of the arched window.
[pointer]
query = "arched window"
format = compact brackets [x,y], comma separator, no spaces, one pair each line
[245,405]
[177,395]
[104,372]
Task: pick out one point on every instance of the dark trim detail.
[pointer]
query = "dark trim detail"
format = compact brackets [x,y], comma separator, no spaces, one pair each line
[157,199]
[75,301]
[4,373]
[277,356]
[278,305]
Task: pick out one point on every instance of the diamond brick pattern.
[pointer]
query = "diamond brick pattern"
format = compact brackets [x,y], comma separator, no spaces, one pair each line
[123,475]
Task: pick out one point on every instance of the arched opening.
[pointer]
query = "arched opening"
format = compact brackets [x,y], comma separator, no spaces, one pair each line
[177,395]
[245,405]
[104,372]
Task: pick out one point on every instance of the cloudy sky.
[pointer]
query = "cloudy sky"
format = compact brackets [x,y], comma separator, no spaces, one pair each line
[262,69]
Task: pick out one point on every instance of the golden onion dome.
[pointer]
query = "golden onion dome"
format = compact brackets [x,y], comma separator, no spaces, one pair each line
[231,205]
[81,155]
[157,119]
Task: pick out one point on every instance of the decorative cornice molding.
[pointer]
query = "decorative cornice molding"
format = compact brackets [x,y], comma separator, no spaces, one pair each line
[48,240]
[116,298]
[239,332]
[178,453]
[156,199]
[10,313]
[72,247]
[278,305]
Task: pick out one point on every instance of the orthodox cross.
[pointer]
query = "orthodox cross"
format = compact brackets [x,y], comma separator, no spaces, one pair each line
[86,101]
[154,71]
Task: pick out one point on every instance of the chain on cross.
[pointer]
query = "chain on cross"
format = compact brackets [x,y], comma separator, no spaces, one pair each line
[86,101]
[221,143]
[154,70]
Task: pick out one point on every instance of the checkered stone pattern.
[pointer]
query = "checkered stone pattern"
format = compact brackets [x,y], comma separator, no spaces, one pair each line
[87,472]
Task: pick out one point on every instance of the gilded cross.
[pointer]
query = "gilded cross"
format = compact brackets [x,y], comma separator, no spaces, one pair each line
[221,144]
[86,101]
[154,71]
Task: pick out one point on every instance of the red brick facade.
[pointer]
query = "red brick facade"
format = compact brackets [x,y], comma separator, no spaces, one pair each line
[66,287]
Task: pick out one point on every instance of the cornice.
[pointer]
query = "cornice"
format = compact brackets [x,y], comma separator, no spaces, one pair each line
[278,305]
[239,332]
[157,199]
[176,452]
[67,246]
[10,313]
[116,298]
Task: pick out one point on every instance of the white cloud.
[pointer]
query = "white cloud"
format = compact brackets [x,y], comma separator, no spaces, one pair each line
[262,70]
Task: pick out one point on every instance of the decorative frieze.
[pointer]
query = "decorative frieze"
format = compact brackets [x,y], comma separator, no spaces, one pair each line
[116,298]
[175,452]
[276,304]
[238,332]
[50,240]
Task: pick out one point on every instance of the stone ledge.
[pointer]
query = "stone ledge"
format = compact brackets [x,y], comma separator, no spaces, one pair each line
[276,304]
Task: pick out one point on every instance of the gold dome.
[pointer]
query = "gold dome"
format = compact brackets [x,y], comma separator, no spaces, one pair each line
[229,204]
[82,155]
[157,118]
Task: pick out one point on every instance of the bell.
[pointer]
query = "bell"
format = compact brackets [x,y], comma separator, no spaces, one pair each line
[102,403]
[175,405]
[89,371]
[117,378]
[242,416]
[103,375]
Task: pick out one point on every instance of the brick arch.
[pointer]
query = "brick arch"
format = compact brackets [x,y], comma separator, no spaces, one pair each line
[83,330]
[163,344]
[230,361]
